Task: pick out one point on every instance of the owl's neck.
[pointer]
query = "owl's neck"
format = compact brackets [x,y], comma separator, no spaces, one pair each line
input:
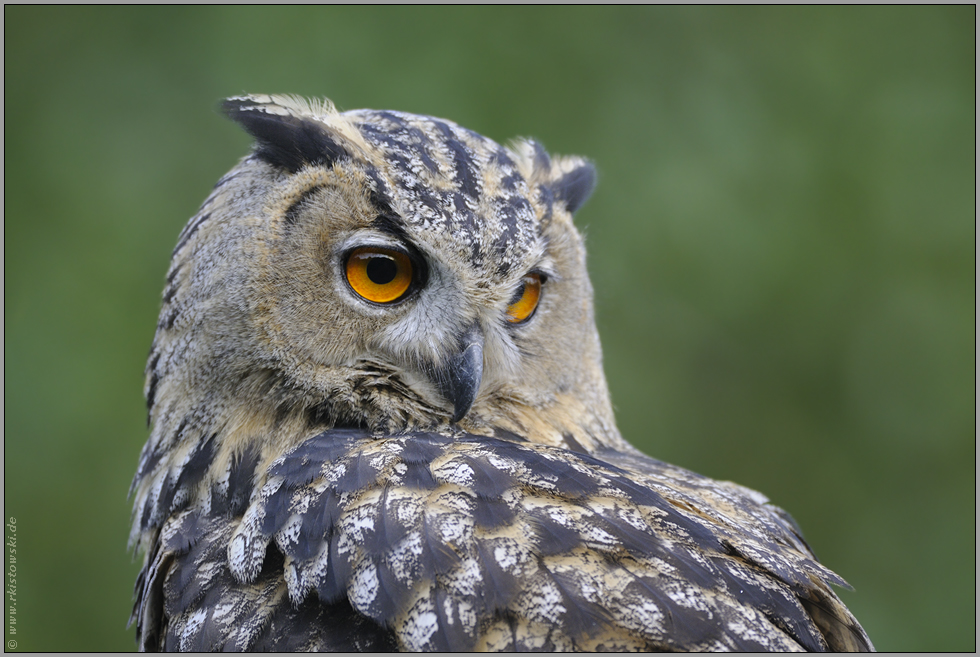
[196,439]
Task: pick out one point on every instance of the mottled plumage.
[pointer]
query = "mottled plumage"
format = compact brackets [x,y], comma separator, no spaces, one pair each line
[380,421]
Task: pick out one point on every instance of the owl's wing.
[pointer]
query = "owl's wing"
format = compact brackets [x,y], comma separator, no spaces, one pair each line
[428,542]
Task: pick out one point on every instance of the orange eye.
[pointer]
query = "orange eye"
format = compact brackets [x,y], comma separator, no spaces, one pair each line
[378,274]
[525,299]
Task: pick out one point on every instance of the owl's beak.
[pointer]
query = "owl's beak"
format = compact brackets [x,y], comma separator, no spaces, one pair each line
[460,380]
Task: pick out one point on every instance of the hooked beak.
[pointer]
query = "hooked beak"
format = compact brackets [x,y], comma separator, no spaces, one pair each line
[459,380]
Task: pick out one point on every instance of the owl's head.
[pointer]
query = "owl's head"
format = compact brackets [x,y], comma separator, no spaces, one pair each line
[386,270]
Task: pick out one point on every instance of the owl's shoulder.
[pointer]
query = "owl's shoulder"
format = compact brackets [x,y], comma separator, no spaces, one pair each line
[455,542]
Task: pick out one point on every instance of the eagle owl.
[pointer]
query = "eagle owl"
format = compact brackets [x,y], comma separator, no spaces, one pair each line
[380,421]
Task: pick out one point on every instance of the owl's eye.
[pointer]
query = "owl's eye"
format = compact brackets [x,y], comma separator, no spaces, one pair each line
[525,299]
[378,274]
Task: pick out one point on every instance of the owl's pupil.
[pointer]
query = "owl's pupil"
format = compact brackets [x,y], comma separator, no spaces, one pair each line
[381,271]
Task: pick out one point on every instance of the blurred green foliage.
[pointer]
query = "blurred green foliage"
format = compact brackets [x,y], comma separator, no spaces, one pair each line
[782,246]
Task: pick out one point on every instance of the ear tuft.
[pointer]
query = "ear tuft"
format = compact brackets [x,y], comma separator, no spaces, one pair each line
[286,139]
[573,187]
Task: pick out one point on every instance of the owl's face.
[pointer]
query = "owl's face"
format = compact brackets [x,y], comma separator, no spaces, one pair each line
[395,271]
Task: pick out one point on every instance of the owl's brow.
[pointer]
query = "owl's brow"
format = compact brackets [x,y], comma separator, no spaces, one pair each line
[379,195]
[391,224]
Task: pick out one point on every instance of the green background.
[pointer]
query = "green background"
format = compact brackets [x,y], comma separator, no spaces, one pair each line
[782,244]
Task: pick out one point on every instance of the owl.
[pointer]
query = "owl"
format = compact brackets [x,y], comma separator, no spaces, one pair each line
[380,421]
